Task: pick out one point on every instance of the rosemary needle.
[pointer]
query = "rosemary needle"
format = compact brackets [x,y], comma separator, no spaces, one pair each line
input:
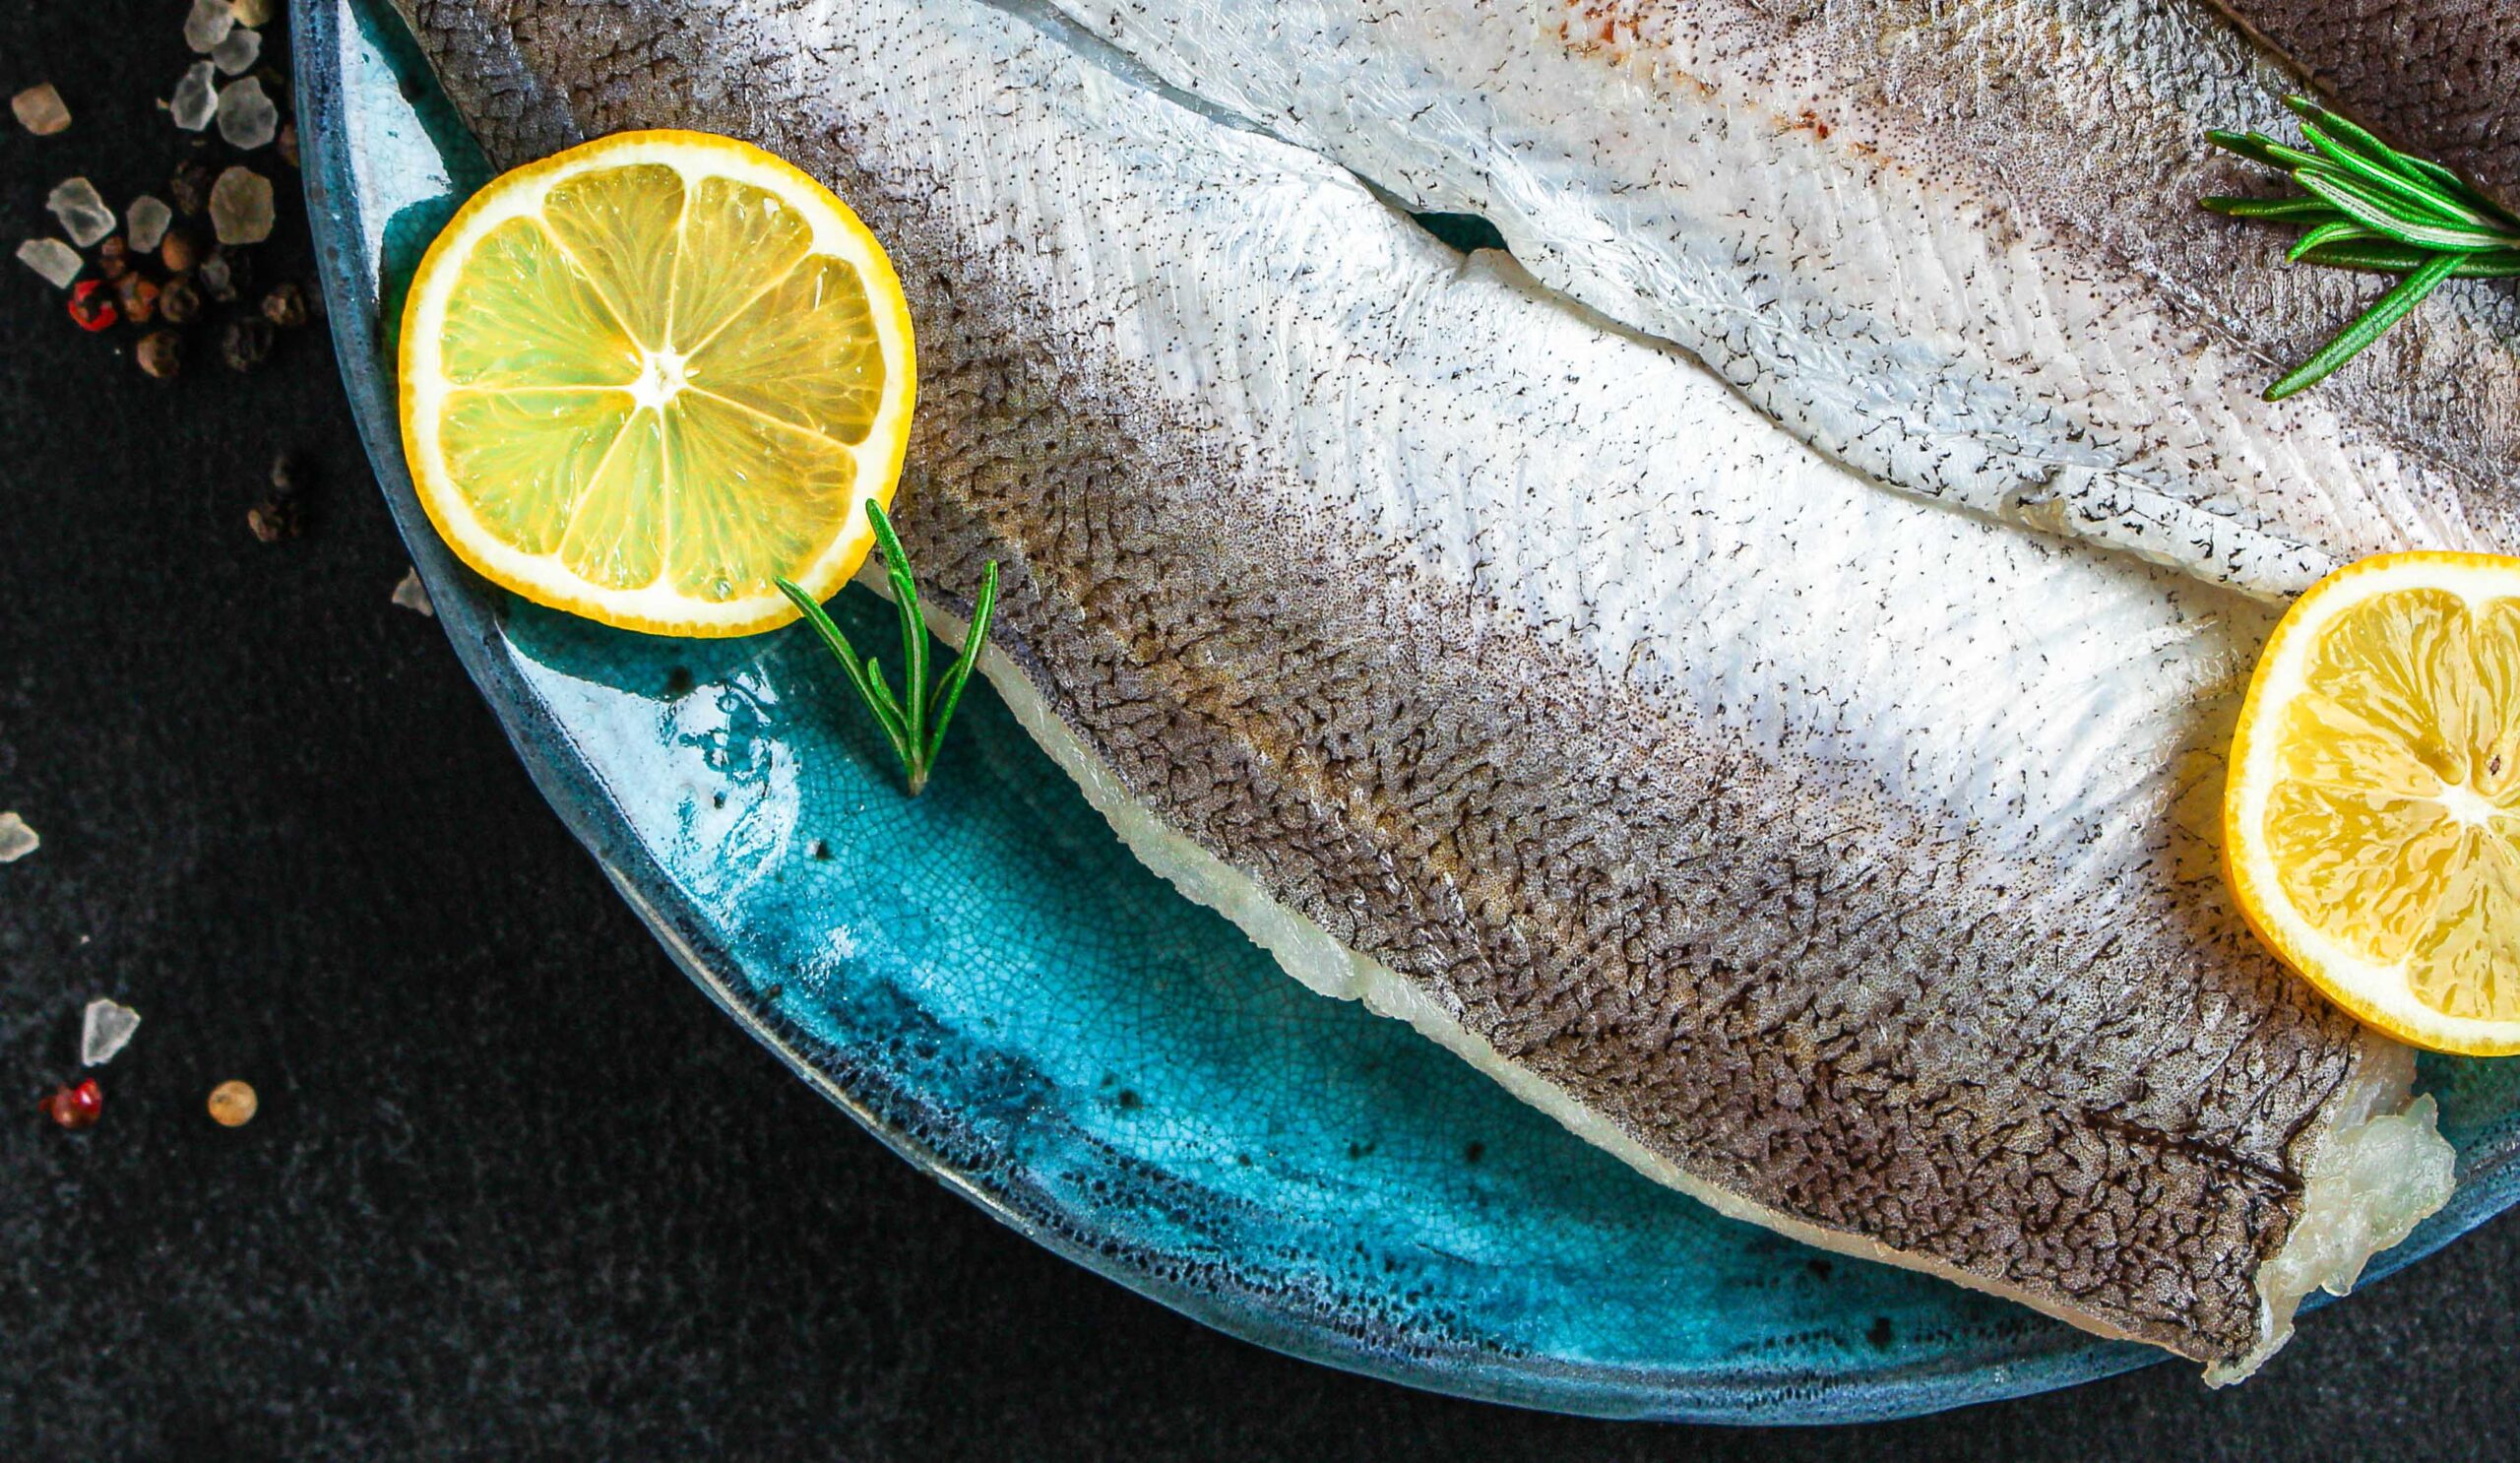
[2370,207]
[915,720]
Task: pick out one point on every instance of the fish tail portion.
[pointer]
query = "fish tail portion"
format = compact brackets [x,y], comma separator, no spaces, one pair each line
[2375,1167]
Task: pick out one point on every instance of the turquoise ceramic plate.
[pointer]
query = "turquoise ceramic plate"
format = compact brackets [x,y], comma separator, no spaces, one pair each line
[987,981]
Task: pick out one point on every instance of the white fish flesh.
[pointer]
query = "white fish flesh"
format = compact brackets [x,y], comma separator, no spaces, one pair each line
[1955,246]
[1834,856]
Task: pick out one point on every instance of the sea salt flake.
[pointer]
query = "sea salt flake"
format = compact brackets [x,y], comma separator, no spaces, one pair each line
[413,595]
[40,110]
[145,223]
[105,1028]
[240,206]
[240,49]
[209,24]
[247,118]
[196,99]
[254,12]
[16,840]
[56,262]
[82,212]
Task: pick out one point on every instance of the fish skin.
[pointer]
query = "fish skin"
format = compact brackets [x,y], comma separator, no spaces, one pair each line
[2436,77]
[1837,855]
[1955,246]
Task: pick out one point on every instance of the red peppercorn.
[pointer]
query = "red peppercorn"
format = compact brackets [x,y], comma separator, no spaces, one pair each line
[75,1107]
[92,305]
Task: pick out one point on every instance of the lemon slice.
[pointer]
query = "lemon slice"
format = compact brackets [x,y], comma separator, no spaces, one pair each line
[643,378]
[2371,824]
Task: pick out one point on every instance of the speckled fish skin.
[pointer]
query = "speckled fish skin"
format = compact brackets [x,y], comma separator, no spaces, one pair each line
[1955,246]
[2441,77]
[1831,854]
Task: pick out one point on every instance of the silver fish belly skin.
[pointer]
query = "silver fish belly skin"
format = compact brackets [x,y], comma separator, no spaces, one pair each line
[1827,852]
[1957,247]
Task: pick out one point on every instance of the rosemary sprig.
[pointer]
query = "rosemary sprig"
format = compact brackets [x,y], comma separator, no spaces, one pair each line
[2370,207]
[915,720]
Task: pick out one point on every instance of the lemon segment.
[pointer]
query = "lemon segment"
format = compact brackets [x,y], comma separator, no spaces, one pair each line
[645,377]
[2371,823]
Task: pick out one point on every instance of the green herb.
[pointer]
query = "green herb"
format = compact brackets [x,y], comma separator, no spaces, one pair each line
[2370,206]
[913,721]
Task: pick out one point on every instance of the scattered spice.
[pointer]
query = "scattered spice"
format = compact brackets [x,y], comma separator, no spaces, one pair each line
[179,251]
[16,840]
[179,300]
[413,595]
[56,261]
[113,259]
[147,219]
[245,344]
[40,110]
[286,144]
[225,275]
[240,202]
[75,1107]
[138,296]
[190,188]
[161,353]
[105,1028]
[92,305]
[286,307]
[233,1103]
[282,512]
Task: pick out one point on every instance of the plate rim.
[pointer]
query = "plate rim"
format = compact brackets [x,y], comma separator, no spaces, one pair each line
[467,610]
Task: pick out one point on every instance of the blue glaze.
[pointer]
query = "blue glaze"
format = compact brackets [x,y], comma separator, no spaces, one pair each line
[989,982]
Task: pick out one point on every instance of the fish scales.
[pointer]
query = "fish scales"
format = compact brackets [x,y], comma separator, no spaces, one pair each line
[1826,854]
[2441,77]
[1957,247]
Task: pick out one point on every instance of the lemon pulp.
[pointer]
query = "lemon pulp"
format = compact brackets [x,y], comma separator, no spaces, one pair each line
[644,377]
[2373,822]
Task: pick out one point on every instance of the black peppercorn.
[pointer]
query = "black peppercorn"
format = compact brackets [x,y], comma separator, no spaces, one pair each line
[245,343]
[190,188]
[179,300]
[225,275]
[286,307]
[114,257]
[161,353]
[273,521]
[282,512]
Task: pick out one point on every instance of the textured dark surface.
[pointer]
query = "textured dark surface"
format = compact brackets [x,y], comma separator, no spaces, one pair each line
[2438,77]
[517,1190]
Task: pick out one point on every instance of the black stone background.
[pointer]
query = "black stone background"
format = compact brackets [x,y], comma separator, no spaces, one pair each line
[517,1190]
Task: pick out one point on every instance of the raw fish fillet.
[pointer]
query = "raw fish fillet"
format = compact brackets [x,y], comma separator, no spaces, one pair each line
[1834,856]
[1955,246]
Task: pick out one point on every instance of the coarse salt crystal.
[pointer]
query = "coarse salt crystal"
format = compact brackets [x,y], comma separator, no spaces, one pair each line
[40,110]
[208,24]
[238,51]
[82,212]
[240,206]
[144,222]
[196,99]
[105,1028]
[413,595]
[56,262]
[247,118]
[16,840]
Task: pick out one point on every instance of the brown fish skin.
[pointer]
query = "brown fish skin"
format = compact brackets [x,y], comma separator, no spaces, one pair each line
[1825,1006]
[2436,77]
